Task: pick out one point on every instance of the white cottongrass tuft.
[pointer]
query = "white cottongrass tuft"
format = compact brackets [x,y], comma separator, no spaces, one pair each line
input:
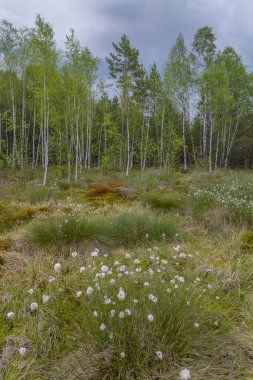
[102,327]
[150,318]
[89,291]
[94,253]
[152,298]
[196,325]
[128,312]
[112,313]
[57,267]
[104,268]
[82,269]
[74,254]
[22,351]
[30,291]
[159,355]
[45,298]
[121,314]
[121,294]
[185,374]
[34,306]
[51,279]
[122,355]
[10,315]
[79,293]
[95,314]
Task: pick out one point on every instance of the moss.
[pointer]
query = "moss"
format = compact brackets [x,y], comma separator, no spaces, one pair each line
[63,194]
[107,193]
[5,244]
[13,215]
[101,191]
[246,239]
[67,210]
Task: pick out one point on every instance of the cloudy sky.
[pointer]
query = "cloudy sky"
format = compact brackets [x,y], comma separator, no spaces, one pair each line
[151,25]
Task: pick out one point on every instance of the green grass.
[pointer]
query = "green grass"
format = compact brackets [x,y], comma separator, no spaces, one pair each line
[66,330]
[124,228]
[138,242]
[165,201]
[40,194]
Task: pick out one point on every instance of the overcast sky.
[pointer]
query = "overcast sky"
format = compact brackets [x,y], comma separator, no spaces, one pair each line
[151,25]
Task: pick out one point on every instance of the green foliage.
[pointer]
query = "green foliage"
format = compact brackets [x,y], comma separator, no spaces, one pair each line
[145,124]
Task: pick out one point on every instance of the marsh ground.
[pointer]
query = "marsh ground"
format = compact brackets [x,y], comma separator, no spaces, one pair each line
[154,275]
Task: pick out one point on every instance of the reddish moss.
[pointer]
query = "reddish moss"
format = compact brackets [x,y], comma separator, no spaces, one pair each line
[5,244]
[12,215]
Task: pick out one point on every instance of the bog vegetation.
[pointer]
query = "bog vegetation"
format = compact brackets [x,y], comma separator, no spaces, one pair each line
[126,239]
[112,277]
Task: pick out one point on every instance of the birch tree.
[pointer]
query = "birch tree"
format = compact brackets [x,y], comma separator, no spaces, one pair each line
[178,80]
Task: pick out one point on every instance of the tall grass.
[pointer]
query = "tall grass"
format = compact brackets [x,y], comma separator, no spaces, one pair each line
[40,194]
[124,228]
[165,201]
[64,338]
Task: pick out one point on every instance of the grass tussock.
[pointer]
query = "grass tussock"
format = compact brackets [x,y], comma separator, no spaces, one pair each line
[40,194]
[124,228]
[162,200]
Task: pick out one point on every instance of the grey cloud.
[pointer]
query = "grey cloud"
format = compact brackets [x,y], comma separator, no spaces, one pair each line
[151,25]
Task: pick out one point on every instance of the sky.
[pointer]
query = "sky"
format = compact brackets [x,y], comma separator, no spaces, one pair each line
[151,25]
